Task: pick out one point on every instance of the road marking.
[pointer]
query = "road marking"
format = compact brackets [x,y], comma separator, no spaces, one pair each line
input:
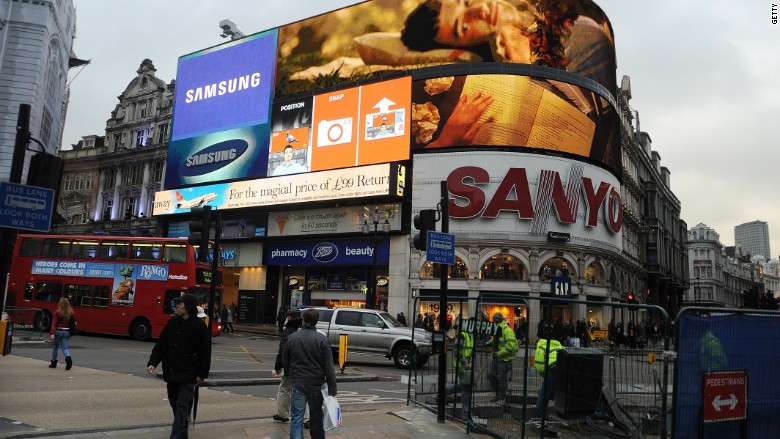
[248,352]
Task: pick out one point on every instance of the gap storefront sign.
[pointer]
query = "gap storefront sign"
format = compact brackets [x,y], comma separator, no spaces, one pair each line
[330,252]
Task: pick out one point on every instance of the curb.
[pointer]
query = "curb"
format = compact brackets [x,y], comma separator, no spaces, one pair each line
[226,382]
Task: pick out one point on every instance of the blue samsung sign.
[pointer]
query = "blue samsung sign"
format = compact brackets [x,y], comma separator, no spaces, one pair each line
[335,252]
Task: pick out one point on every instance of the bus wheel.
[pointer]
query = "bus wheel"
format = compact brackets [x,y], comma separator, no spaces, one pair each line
[42,321]
[141,330]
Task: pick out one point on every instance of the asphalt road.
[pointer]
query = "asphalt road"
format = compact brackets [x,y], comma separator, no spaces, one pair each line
[242,354]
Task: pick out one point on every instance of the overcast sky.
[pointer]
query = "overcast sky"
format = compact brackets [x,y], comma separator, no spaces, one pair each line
[705,79]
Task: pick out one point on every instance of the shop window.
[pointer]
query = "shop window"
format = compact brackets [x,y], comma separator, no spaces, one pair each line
[457,271]
[594,274]
[555,267]
[503,266]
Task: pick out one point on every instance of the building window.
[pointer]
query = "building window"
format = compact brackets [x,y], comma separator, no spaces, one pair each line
[157,171]
[554,267]
[117,140]
[68,183]
[503,266]
[133,175]
[46,126]
[140,138]
[458,271]
[111,178]
[162,134]
[594,275]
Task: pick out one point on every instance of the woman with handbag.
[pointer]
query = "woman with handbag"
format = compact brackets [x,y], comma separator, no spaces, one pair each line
[64,318]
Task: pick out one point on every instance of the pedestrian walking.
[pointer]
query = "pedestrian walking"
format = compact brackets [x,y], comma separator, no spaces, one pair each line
[504,350]
[294,322]
[309,360]
[59,333]
[230,317]
[184,348]
[280,318]
[223,315]
[401,318]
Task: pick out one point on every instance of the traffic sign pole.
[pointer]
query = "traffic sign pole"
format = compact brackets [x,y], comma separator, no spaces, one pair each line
[443,275]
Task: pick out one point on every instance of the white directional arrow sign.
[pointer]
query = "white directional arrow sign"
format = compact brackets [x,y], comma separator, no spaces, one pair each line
[717,403]
[384,105]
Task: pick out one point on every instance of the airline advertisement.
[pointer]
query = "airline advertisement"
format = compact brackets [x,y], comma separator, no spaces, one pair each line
[364,181]
[514,111]
[221,115]
[522,196]
[380,37]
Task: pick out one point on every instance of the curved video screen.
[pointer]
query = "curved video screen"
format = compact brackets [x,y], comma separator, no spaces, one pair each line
[375,37]
[514,112]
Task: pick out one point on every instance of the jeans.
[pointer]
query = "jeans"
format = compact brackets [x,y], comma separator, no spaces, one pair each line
[498,376]
[61,338]
[465,396]
[301,395]
[546,393]
[180,397]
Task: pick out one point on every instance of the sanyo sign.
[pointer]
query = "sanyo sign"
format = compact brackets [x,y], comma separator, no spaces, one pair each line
[525,195]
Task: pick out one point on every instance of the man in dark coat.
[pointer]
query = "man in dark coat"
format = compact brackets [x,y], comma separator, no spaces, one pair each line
[294,322]
[184,348]
[281,317]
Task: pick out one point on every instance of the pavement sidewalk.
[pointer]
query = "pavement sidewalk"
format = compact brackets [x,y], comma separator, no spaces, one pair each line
[38,402]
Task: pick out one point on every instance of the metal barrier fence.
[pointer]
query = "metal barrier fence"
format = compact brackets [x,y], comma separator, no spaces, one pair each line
[30,323]
[600,391]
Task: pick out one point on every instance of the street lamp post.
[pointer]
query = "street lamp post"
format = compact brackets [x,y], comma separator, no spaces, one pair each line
[366,228]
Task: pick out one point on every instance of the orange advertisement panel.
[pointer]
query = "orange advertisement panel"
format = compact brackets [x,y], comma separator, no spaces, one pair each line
[289,152]
[376,37]
[296,137]
[384,116]
[335,130]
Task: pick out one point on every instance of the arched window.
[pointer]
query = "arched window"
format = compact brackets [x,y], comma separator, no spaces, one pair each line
[457,271]
[503,266]
[594,274]
[555,267]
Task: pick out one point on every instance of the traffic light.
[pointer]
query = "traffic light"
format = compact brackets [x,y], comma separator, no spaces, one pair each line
[631,298]
[424,221]
[200,226]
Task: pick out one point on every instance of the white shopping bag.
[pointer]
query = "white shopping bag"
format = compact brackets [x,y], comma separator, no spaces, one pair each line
[331,412]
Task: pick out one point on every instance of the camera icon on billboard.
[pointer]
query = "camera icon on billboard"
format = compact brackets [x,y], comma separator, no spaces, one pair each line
[334,132]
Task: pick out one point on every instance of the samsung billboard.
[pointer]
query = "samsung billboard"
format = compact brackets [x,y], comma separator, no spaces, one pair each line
[221,112]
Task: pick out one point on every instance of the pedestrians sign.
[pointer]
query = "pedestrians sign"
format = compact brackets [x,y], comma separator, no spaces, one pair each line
[25,207]
[441,248]
[725,396]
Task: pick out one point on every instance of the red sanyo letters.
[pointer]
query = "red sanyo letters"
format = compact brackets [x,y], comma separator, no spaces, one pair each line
[464,183]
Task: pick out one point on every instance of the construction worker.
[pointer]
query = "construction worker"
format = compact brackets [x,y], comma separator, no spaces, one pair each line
[504,350]
[461,363]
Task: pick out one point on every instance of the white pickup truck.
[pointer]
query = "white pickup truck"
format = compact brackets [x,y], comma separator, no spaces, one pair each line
[375,332]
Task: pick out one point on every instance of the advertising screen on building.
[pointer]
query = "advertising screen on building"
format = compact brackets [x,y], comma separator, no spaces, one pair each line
[514,111]
[221,112]
[389,35]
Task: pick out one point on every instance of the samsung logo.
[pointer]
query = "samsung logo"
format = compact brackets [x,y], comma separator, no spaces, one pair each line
[222,88]
[213,157]
[325,252]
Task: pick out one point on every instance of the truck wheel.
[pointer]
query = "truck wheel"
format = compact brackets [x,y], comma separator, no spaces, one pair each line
[141,330]
[403,356]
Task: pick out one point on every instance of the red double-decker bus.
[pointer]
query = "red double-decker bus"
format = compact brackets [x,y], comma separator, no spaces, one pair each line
[116,284]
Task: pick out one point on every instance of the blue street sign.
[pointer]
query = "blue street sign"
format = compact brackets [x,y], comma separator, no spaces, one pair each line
[441,248]
[25,207]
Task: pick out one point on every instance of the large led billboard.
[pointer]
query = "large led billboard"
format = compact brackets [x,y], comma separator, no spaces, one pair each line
[221,112]
[388,35]
[514,111]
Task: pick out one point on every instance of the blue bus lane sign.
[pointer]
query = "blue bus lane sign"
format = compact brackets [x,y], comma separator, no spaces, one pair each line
[25,207]
[440,248]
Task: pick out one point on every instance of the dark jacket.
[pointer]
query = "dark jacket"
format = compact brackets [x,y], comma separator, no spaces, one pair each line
[184,347]
[292,327]
[308,358]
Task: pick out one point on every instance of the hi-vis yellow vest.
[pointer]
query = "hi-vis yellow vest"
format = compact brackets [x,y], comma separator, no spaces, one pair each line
[541,354]
[465,350]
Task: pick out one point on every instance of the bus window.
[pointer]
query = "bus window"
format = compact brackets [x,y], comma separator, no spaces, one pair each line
[28,291]
[146,250]
[31,247]
[49,291]
[175,252]
[79,295]
[168,306]
[114,250]
[102,295]
[84,249]
[55,248]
